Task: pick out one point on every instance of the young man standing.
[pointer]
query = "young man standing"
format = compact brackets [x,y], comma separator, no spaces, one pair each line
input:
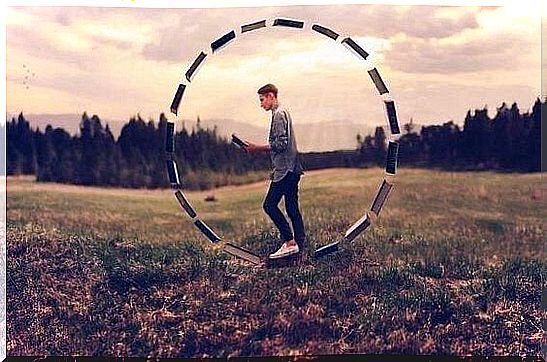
[285,177]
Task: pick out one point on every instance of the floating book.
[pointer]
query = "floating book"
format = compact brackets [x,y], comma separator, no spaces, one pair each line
[239,142]
[327,249]
[195,65]
[185,204]
[392,117]
[242,253]
[391,162]
[325,31]
[178,97]
[253,26]
[173,173]
[381,197]
[289,23]
[353,45]
[357,228]
[207,231]
[378,81]
[170,137]
[222,41]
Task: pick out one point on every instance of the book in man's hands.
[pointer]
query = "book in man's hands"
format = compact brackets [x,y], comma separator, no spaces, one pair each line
[239,142]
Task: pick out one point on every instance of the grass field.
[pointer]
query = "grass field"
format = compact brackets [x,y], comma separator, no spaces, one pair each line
[454,265]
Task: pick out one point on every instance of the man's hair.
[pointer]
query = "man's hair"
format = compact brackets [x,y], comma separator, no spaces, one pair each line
[267,89]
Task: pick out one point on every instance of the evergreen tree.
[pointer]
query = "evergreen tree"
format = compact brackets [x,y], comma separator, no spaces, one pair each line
[534,148]
[380,149]
[21,155]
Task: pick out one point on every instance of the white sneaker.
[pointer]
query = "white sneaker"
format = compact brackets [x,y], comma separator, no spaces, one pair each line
[284,251]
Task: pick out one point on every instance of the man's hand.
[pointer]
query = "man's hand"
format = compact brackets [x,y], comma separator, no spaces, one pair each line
[254,148]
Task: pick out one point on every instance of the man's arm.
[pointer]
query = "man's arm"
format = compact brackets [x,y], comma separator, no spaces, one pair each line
[279,136]
[254,148]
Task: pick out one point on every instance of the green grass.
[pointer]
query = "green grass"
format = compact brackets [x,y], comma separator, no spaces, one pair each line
[452,266]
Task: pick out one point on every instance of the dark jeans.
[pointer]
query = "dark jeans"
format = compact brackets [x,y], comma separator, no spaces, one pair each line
[288,187]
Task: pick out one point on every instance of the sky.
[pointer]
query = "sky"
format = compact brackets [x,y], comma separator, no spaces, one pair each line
[437,61]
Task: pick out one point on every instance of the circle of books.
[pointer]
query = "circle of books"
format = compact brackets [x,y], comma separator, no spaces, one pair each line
[392,152]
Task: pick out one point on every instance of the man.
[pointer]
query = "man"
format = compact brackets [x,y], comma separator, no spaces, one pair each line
[285,177]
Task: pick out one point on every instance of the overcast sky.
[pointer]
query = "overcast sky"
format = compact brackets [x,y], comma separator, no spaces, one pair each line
[116,62]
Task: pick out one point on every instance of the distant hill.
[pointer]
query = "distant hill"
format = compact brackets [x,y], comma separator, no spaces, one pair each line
[327,136]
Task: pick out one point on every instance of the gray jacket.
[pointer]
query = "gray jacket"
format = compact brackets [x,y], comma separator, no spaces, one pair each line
[284,153]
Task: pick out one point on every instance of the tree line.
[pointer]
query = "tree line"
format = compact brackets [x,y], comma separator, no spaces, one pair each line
[509,141]
[135,159]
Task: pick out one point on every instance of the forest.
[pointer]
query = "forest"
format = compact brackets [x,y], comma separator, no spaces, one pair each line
[510,141]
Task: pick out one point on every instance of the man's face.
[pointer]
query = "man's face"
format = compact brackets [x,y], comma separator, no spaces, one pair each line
[266,101]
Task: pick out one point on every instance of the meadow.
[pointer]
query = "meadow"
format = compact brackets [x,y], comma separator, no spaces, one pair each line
[455,264]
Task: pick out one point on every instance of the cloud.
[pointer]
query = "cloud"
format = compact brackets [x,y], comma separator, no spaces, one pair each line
[85,34]
[102,41]
[65,48]
[196,29]
[451,101]
[415,55]
[75,29]
[63,18]
[123,60]
[415,21]
[171,46]
[201,27]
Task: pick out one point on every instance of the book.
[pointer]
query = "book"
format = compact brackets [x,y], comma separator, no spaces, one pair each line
[392,117]
[185,204]
[239,142]
[170,138]
[207,231]
[242,253]
[327,249]
[173,173]
[178,97]
[381,197]
[378,81]
[195,65]
[391,162]
[357,228]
